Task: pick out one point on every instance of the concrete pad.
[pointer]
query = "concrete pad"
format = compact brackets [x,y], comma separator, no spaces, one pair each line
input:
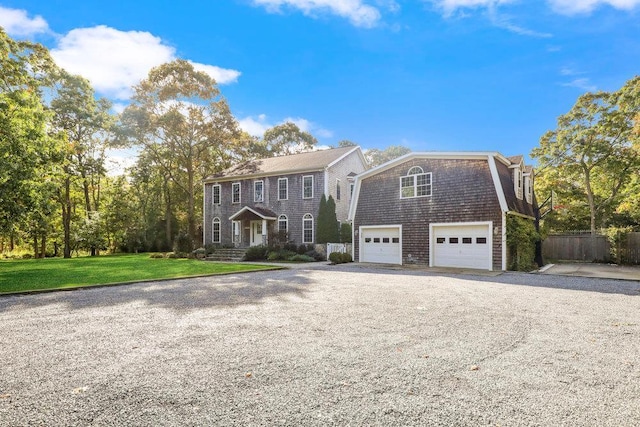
[604,271]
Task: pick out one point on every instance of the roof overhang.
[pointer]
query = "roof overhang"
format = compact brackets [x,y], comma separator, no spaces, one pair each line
[256,212]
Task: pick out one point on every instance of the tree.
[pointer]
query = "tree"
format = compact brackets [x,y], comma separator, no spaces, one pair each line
[328,226]
[346,143]
[25,149]
[81,121]
[285,139]
[594,150]
[184,126]
[377,157]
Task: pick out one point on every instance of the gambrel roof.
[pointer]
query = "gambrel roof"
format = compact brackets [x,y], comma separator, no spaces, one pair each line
[499,165]
[295,163]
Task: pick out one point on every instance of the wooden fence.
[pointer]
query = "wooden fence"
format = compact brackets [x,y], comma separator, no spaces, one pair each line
[576,247]
[584,247]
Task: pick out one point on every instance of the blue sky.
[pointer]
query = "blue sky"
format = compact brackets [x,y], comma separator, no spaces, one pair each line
[482,75]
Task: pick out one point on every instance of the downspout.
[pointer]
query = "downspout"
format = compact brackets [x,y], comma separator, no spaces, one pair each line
[504,241]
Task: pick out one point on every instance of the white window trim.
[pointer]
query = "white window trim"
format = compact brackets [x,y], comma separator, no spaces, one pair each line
[415,184]
[213,192]
[338,189]
[254,191]
[215,221]
[239,193]
[303,179]
[304,218]
[286,186]
[517,178]
[286,221]
[528,188]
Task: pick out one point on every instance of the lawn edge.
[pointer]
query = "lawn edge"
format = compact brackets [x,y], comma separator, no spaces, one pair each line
[133,282]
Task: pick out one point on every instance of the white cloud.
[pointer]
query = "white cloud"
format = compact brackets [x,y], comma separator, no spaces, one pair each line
[118,159]
[256,126]
[357,12]
[581,83]
[573,7]
[220,75]
[449,7]
[17,23]
[115,60]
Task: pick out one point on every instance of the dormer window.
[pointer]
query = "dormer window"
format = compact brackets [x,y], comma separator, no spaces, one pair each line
[416,183]
[528,188]
[517,181]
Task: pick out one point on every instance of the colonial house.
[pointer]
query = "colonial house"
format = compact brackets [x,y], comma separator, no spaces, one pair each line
[246,204]
[440,209]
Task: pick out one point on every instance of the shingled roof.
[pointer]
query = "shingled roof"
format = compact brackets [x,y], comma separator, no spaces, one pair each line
[294,163]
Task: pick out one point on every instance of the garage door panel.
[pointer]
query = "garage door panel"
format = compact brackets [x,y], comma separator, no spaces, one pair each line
[462,246]
[381,245]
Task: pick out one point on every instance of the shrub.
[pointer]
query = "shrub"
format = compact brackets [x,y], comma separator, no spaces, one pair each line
[345,232]
[156,255]
[301,258]
[346,257]
[27,256]
[335,257]
[521,243]
[290,246]
[183,243]
[256,253]
[210,248]
[315,255]
[280,255]
[173,255]
[303,249]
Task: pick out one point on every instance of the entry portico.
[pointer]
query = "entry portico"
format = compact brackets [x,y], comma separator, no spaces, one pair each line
[251,225]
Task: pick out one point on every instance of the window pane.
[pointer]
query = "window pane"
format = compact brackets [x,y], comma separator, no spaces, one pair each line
[307,229]
[453,240]
[258,193]
[385,240]
[376,240]
[307,183]
[407,190]
[367,239]
[282,189]
[467,240]
[236,193]
[481,240]
[440,240]
[396,240]
[216,194]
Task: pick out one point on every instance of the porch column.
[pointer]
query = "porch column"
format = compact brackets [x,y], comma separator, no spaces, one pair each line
[264,232]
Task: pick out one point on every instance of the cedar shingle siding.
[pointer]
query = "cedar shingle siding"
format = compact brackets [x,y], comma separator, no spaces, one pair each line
[462,191]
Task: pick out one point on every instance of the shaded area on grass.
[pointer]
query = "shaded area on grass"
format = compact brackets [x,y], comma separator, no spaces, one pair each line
[39,274]
[180,295]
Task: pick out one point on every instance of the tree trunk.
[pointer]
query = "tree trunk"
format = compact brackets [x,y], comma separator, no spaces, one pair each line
[35,245]
[191,207]
[66,217]
[43,244]
[167,216]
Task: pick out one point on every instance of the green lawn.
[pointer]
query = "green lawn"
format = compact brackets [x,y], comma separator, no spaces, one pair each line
[36,274]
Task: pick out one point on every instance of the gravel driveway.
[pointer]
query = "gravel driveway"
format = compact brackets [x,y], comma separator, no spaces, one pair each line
[344,345]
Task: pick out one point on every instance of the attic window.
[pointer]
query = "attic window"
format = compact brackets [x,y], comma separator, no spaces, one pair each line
[517,182]
[415,184]
[528,188]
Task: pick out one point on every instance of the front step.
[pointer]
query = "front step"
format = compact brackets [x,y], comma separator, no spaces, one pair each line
[227,254]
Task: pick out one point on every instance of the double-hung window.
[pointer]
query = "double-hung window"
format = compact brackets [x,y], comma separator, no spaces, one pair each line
[283,224]
[283,188]
[307,187]
[215,194]
[416,183]
[215,230]
[337,189]
[235,192]
[258,191]
[307,228]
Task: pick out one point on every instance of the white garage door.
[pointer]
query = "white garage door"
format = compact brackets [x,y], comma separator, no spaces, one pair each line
[462,246]
[380,244]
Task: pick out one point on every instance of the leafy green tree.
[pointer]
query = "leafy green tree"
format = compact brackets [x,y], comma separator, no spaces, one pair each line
[377,157]
[285,139]
[184,126]
[346,235]
[346,143]
[25,149]
[82,122]
[594,151]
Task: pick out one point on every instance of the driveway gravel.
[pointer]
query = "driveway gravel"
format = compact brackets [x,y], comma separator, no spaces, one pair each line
[343,345]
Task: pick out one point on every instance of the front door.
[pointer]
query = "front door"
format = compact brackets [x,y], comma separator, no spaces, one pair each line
[256,233]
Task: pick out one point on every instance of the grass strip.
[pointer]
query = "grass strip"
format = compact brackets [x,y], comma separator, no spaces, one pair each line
[60,273]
